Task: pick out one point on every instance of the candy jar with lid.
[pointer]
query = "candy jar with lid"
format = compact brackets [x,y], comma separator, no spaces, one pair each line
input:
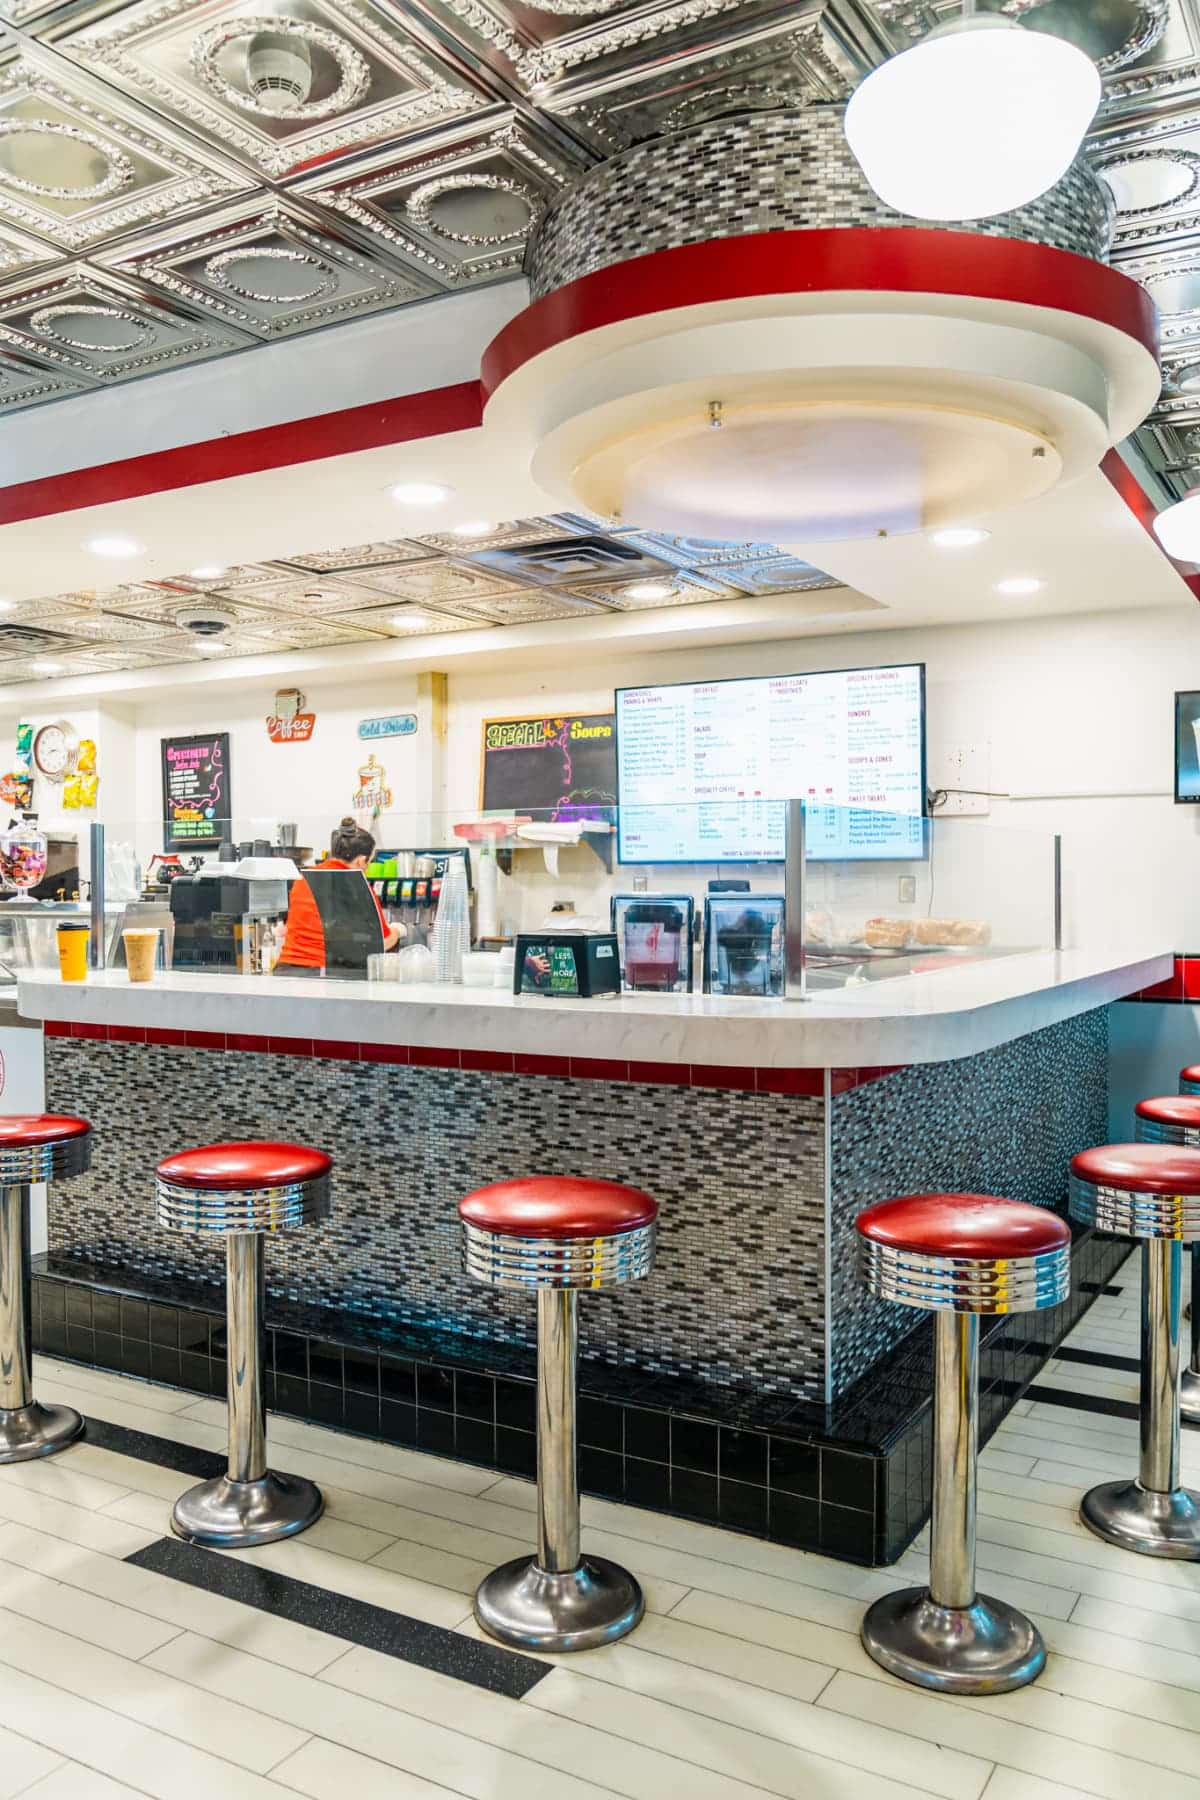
[22,854]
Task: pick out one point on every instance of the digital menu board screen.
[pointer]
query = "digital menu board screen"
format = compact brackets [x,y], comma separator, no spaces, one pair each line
[703,768]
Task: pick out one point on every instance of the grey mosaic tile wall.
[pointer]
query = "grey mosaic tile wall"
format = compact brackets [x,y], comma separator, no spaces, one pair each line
[735,1296]
[1006,1122]
[764,172]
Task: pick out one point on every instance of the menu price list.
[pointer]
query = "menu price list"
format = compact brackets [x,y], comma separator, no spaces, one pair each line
[704,767]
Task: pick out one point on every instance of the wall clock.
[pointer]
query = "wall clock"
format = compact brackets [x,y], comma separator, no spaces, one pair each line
[55,750]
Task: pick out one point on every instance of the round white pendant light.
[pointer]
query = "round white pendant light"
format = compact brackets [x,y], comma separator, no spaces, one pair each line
[1178,528]
[980,117]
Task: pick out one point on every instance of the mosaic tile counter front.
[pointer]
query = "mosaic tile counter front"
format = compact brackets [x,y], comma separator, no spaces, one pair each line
[755,1287]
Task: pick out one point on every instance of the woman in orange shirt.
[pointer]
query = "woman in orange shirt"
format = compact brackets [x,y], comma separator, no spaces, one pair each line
[304,938]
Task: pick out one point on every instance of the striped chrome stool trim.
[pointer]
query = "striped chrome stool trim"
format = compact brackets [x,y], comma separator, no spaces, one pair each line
[520,1262]
[45,1162]
[1127,1213]
[966,1284]
[243,1209]
[1156,1131]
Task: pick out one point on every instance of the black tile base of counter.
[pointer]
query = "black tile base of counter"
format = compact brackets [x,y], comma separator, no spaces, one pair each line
[851,1480]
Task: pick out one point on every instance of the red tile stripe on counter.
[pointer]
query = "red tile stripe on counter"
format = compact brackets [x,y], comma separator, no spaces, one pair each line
[491,1062]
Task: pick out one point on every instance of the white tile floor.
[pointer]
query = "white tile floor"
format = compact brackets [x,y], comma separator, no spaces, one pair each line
[746,1677]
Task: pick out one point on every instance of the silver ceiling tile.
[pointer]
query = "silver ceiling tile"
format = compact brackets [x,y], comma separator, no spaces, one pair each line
[26,383]
[288,592]
[402,619]
[483,536]
[346,75]
[19,253]
[527,608]
[268,270]
[278,632]
[77,167]
[83,322]
[1118,35]
[358,556]
[676,589]
[464,214]
[112,628]
[165,606]
[436,582]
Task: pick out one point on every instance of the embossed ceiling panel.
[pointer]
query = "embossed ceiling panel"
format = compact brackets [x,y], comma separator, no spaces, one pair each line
[91,327]
[269,271]
[279,606]
[26,383]
[348,75]
[77,168]
[464,214]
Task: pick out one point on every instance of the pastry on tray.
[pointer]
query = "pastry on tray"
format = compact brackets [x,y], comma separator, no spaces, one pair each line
[953,932]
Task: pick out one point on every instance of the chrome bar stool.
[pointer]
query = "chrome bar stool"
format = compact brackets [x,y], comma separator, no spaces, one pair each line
[557,1234]
[959,1255]
[1151,1193]
[33,1147]
[1175,1119]
[242,1191]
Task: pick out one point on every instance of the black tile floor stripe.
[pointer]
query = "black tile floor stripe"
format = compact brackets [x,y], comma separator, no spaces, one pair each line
[355,1621]
[1098,1359]
[186,1459]
[1094,1403]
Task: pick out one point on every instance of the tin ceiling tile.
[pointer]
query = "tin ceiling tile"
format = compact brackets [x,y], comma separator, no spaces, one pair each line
[89,326]
[359,556]
[19,253]
[77,167]
[676,589]
[165,606]
[472,537]
[310,595]
[283,90]
[279,632]
[526,608]
[437,582]
[401,619]
[268,270]
[25,383]
[465,214]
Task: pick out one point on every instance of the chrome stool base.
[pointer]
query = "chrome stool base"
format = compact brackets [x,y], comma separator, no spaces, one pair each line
[985,1648]
[1142,1519]
[525,1606]
[1189,1394]
[237,1515]
[31,1431]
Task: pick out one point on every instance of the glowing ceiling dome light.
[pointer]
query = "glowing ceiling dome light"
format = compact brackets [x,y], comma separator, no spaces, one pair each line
[980,117]
[1177,528]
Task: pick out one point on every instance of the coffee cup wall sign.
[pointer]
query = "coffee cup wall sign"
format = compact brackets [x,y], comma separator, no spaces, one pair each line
[289,723]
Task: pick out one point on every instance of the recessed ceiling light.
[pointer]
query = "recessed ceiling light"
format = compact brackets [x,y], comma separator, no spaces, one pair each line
[209,572]
[420,493]
[6,605]
[650,590]
[473,528]
[1177,527]
[959,537]
[1019,584]
[45,668]
[113,546]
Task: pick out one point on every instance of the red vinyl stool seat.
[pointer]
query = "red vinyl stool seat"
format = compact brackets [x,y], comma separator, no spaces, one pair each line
[959,1255]
[243,1190]
[556,1234]
[1175,1119]
[1189,1079]
[1150,1192]
[33,1147]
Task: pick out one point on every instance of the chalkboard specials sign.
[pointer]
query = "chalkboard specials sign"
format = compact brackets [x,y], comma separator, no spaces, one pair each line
[195,778]
[561,765]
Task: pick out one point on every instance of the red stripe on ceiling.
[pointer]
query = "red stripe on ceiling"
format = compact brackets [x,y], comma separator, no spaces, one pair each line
[898,260]
[397,421]
[1144,511]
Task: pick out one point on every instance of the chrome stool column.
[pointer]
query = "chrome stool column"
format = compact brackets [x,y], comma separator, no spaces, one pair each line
[33,1147]
[557,1234]
[959,1255]
[243,1190]
[1149,1192]
[1175,1119]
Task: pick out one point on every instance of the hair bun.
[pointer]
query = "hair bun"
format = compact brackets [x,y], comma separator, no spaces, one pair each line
[349,823]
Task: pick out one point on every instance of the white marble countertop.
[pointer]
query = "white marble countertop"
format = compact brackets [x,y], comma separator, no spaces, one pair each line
[931,1017]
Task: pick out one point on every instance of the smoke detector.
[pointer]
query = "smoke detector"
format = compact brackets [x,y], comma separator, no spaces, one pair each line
[205,621]
[278,71]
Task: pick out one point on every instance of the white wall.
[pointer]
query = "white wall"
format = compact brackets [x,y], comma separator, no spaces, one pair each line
[1077,712]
